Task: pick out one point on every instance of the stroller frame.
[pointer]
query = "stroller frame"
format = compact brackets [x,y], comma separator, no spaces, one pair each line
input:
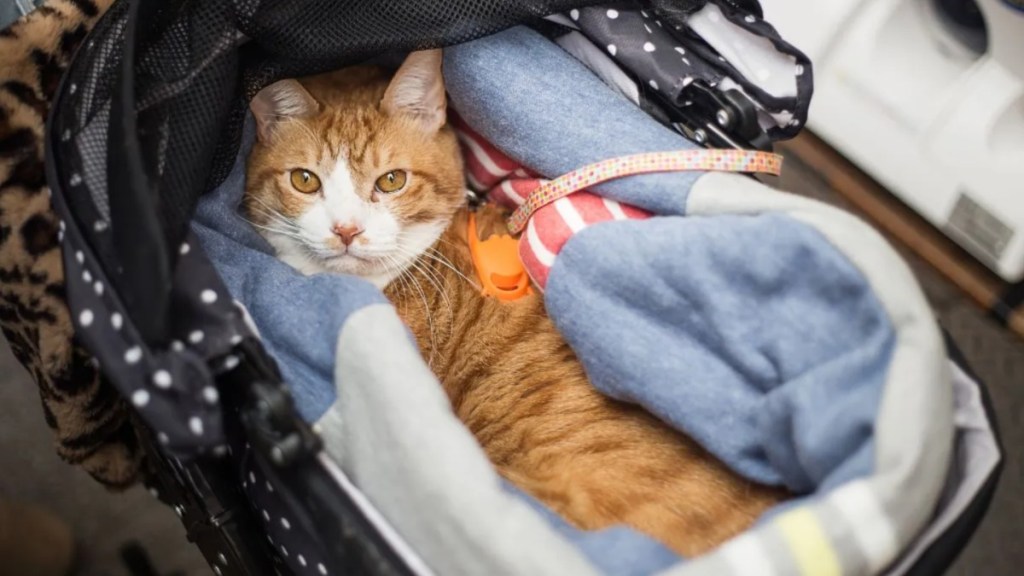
[260,419]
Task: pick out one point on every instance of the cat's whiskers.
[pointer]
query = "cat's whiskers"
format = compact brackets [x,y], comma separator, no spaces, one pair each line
[430,319]
[274,220]
[262,202]
[276,224]
[280,228]
[272,213]
[436,256]
[432,253]
[409,280]
[280,231]
[440,290]
[414,262]
[279,224]
[389,268]
[437,281]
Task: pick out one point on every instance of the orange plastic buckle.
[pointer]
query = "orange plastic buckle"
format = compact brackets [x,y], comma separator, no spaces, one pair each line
[497,263]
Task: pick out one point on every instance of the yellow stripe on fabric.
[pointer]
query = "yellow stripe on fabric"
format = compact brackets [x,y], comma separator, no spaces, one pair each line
[809,544]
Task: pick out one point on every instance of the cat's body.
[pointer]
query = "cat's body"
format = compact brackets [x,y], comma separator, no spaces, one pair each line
[510,376]
[519,388]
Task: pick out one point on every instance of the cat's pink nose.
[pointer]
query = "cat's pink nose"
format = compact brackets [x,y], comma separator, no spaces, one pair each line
[347,232]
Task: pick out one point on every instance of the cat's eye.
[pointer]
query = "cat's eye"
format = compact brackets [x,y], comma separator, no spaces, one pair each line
[305,181]
[391,182]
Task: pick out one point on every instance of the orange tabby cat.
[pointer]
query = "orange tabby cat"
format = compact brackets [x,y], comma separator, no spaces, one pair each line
[358,173]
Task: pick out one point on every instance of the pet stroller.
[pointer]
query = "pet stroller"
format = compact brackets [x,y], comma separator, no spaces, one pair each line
[867,414]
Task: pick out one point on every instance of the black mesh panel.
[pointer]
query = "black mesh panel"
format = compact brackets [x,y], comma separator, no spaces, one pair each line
[196,64]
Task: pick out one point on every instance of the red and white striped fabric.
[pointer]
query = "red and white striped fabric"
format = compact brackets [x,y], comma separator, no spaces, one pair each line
[490,172]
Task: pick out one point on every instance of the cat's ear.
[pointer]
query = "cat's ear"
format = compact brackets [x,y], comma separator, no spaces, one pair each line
[417,90]
[281,100]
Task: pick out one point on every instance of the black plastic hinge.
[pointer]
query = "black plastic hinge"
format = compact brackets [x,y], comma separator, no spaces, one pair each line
[274,427]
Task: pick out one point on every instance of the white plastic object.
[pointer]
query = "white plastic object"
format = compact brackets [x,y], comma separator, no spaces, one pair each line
[942,128]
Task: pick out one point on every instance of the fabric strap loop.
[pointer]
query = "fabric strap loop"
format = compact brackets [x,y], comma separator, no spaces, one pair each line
[750,161]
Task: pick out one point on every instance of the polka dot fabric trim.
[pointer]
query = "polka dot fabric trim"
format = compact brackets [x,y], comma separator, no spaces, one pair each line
[204,489]
[158,384]
[294,546]
[172,389]
[657,47]
[167,384]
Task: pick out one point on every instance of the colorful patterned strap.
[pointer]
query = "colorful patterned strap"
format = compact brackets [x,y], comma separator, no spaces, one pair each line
[675,161]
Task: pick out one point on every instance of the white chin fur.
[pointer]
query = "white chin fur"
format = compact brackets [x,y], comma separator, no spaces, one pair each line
[412,242]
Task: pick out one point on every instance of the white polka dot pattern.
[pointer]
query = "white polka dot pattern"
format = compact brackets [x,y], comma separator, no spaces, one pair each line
[162,379]
[300,552]
[133,355]
[210,395]
[146,376]
[660,55]
[140,398]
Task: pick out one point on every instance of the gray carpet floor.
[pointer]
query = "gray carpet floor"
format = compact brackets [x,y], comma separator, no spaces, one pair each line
[104,521]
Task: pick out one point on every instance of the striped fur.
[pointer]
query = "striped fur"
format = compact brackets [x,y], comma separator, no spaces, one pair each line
[90,423]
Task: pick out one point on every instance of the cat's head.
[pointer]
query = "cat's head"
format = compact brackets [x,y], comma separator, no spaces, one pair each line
[354,171]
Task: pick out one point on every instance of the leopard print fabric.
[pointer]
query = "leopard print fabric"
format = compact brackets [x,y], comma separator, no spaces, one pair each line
[90,421]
